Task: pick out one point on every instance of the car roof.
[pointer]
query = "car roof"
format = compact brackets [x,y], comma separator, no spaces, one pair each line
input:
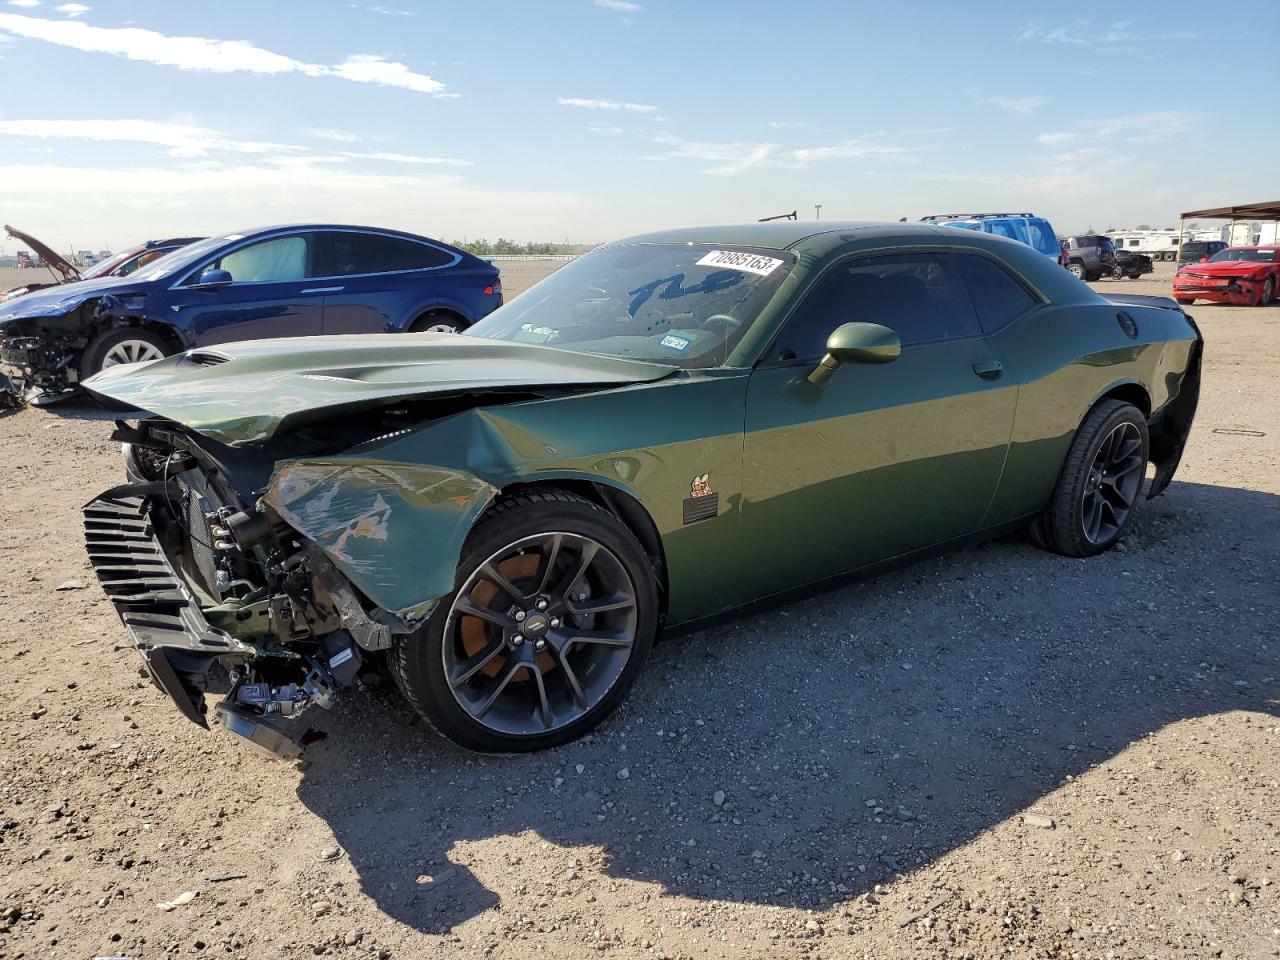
[787,234]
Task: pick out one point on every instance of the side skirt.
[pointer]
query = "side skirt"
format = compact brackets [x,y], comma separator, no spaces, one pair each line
[843,579]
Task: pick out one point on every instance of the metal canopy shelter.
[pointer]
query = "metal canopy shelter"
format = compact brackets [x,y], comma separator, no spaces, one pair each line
[1269,210]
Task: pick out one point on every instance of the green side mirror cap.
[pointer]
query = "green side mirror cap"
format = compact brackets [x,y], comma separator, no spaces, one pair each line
[856,343]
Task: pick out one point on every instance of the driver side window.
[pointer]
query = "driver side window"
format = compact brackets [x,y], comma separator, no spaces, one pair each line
[277,260]
[918,296]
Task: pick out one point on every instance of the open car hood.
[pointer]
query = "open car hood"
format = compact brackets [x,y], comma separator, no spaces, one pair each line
[243,393]
[55,261]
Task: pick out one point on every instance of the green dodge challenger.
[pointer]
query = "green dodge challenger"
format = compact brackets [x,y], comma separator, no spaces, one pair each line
[666,431]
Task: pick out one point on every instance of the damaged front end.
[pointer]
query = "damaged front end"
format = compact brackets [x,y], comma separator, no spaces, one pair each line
[221,596]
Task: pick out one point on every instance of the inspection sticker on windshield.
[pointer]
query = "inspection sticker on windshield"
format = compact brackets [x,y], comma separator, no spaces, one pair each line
[674,342]
[746,262]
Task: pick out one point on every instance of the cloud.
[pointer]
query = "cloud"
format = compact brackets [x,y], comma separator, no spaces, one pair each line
[736,157]
[324,133]
[189,141]
[156,201]
[1023,105]
[216,56]
[73,9]
[593,104]
[622,6]
[24,3]
[180,140]
[368,68]
[604,128]
[1132,128]
[1083,33]
[409,158]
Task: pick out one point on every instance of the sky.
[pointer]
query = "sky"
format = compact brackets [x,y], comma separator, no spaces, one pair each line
[588,120]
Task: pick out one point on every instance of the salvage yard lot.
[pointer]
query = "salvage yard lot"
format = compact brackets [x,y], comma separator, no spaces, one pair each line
[1000,749]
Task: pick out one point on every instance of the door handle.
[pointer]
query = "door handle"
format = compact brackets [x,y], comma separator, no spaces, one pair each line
[988,369]
[322,290]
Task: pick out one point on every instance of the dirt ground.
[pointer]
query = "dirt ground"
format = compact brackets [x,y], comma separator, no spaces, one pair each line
[1000,753]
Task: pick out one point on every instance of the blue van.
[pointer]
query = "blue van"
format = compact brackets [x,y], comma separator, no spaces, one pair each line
[1026,227]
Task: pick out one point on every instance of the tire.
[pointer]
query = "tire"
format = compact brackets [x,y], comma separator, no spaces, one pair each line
[438,321]
[1076,270]
[1117,273]
[1268,292]
[511,692]
[1186,301]
[121,345]
[1065,527]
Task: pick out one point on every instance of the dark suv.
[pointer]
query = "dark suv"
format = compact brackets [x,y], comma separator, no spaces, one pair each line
[1193,251]
[1090,256]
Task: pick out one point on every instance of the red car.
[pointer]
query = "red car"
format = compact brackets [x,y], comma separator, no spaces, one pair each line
[1246,276]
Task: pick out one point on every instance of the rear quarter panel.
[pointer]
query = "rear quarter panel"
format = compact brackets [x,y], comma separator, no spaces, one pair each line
[1067,358]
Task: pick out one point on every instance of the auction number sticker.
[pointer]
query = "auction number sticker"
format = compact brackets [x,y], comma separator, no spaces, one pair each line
[746,262]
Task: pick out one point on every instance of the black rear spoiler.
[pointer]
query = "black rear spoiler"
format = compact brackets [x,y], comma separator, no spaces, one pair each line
[1141,300]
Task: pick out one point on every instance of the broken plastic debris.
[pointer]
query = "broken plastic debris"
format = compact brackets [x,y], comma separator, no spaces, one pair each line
[181,899]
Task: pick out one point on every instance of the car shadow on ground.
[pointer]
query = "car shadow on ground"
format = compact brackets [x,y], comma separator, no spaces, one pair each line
[855,736]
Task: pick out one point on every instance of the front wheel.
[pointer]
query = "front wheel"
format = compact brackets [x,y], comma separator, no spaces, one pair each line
[1117,273]
[1268,292]
[1100,485]
[121,345]
[1076,270]
[1186,301]
[554,613]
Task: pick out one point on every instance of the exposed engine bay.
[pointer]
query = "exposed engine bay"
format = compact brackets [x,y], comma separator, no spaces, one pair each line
[220,595]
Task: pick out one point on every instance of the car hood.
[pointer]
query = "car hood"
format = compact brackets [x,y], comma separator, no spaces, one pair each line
[1223,268]
[56,300]
[243,393]
[50,256]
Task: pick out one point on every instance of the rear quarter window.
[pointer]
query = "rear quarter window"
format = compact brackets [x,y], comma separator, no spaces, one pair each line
[997,296]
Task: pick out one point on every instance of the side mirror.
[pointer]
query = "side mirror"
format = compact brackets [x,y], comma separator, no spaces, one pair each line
[212,278]
[856,343]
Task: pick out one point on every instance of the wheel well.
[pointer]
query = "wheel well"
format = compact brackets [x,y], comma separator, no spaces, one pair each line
[1129,393]
[163,331]
[627,509]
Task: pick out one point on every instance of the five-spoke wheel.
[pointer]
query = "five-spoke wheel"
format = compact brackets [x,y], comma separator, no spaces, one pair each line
[1100,484]
[554,613]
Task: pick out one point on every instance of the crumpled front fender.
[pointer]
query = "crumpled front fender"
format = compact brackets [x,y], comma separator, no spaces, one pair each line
[394,529]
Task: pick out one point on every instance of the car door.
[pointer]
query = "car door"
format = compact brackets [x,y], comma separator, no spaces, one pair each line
[882,459]
[269,293]
[377,282]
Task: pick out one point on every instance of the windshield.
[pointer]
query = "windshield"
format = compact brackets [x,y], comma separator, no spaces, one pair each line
[103,267]
[182,258]
[1256,256]
[679,303]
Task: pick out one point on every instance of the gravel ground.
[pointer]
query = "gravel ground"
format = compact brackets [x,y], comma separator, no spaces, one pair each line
[996,753]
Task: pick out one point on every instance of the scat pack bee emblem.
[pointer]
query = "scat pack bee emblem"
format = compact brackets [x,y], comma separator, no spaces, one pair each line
[702,502]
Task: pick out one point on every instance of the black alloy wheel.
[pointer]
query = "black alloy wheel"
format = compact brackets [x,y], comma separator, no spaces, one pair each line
[1100,485]
[553,616]
[1115,478]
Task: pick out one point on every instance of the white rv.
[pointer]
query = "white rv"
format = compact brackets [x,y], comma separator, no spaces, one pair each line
[1157,244]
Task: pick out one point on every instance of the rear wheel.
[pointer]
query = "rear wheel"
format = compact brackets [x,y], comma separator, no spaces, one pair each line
[554,614]
[1100,485]
[438,321]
